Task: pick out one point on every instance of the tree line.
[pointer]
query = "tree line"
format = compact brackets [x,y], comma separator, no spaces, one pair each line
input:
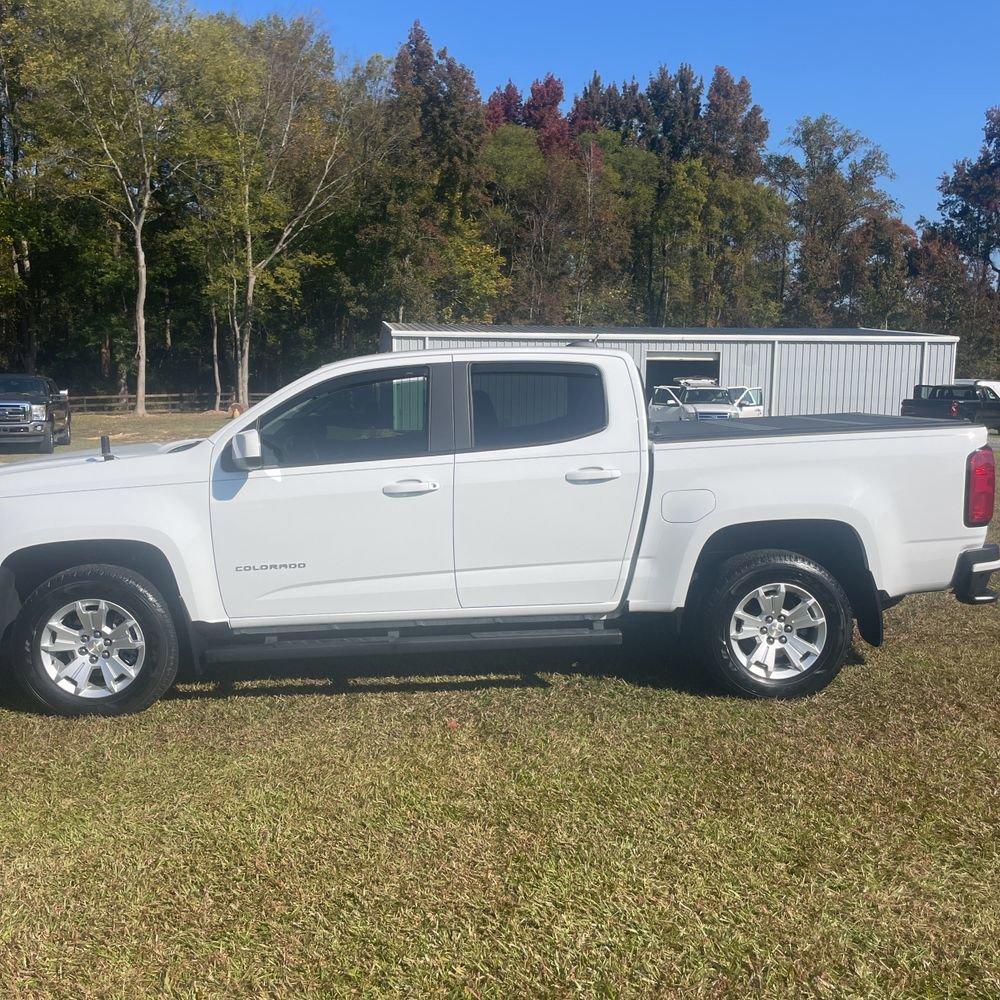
[192,201]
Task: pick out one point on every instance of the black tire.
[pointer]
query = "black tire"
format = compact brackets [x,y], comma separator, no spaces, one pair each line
[66,434]
[739,578]
[114,584]
[47,445]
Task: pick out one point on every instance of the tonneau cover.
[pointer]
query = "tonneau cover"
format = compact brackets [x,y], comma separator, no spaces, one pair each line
[826,423]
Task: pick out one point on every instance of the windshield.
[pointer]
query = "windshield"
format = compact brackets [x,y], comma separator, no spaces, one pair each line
[707,396]
[21,384]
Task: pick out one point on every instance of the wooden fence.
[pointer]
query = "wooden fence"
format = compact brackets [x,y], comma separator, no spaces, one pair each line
[156,402]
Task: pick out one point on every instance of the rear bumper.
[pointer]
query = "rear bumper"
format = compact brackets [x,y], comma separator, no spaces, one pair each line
[972,575]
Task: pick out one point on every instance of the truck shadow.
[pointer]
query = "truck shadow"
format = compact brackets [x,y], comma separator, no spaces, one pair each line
[639,662]
[647,659]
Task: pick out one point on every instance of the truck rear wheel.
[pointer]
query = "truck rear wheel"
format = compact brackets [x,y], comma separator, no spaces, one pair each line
[776,625]
[95,640]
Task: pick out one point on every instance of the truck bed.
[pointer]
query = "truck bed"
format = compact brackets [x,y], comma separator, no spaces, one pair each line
[828,423]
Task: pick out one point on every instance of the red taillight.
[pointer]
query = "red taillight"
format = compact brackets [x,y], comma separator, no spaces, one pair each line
[954,408]
[980,488]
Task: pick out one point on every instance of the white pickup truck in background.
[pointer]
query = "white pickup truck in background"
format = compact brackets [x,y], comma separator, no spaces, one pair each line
[702,399]
[466,500]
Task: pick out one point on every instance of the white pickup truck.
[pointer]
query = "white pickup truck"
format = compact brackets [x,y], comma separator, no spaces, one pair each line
[466,500]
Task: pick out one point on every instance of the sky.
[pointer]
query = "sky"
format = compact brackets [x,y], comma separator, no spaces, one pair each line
[916,77]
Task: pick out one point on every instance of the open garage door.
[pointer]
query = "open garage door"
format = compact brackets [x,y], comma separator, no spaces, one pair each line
[666,369]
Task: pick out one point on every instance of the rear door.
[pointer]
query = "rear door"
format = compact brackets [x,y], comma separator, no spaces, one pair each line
[549,484]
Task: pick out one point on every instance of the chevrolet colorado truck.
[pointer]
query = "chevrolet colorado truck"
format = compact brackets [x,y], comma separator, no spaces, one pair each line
[481,500]
[34,411]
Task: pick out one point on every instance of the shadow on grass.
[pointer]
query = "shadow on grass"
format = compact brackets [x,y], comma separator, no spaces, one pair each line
[645,660]
[650,657]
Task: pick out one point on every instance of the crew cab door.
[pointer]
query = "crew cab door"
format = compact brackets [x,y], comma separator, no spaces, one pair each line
[350,515]
[550,482]
[989,411]
[750,401]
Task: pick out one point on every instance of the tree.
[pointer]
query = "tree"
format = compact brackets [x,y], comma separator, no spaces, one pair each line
[675,104]
[735,129]
[114,80]
[831,185]
[505,107]
[957,266]
[16,189]
[970,201]
[543,114]
[531,219]
[293,132]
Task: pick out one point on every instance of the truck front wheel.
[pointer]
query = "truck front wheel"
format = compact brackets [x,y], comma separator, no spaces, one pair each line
[95,640]
[776,625]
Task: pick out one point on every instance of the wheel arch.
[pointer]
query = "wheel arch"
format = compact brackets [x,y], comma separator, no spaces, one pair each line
[833,544]
[32,565]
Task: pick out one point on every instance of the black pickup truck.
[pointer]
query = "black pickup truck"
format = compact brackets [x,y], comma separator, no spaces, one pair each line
[34,411]
[977,404]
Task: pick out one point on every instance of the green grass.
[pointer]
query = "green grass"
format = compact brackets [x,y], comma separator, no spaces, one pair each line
[518,826]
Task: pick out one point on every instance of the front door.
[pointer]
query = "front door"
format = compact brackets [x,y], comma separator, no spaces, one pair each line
[750,401]
[548,493]
[350,515]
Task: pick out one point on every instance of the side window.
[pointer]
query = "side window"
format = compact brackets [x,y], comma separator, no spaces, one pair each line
[989,394]
[517,405]
[357,418]
[754,397]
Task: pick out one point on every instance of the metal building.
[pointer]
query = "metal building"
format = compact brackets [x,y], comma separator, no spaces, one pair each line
[800,370]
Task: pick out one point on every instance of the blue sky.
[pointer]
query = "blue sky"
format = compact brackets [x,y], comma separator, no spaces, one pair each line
[914,77]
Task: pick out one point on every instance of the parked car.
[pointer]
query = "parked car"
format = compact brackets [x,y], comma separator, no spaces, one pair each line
[482,500]
[974,403]
[665,407]
[34,411]
[716,403]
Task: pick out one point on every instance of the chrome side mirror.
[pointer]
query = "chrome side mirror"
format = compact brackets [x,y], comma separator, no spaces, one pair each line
[246,450]
[64,393]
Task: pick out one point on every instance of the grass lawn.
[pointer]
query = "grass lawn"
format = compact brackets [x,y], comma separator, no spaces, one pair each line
[516,826]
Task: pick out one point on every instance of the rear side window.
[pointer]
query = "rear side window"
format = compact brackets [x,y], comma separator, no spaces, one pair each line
[533,403]
[357,418]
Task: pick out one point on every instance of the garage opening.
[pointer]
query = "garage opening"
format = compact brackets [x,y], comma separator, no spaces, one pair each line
[666,369]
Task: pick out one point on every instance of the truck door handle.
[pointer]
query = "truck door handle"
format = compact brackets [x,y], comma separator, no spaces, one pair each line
[593,475]
[409,488]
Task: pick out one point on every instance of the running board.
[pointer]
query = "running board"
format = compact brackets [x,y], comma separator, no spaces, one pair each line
[384,644]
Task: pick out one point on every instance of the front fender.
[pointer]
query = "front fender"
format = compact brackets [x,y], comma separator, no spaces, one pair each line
[10,603]
[172,520]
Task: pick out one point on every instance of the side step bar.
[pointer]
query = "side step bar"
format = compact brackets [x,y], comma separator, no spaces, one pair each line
[394,643]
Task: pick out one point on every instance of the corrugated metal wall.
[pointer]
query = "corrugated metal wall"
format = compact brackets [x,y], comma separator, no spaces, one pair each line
[813,376]
[821,377]
[939,366]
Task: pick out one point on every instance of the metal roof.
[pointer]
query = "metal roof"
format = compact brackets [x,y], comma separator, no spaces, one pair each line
[660,333]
